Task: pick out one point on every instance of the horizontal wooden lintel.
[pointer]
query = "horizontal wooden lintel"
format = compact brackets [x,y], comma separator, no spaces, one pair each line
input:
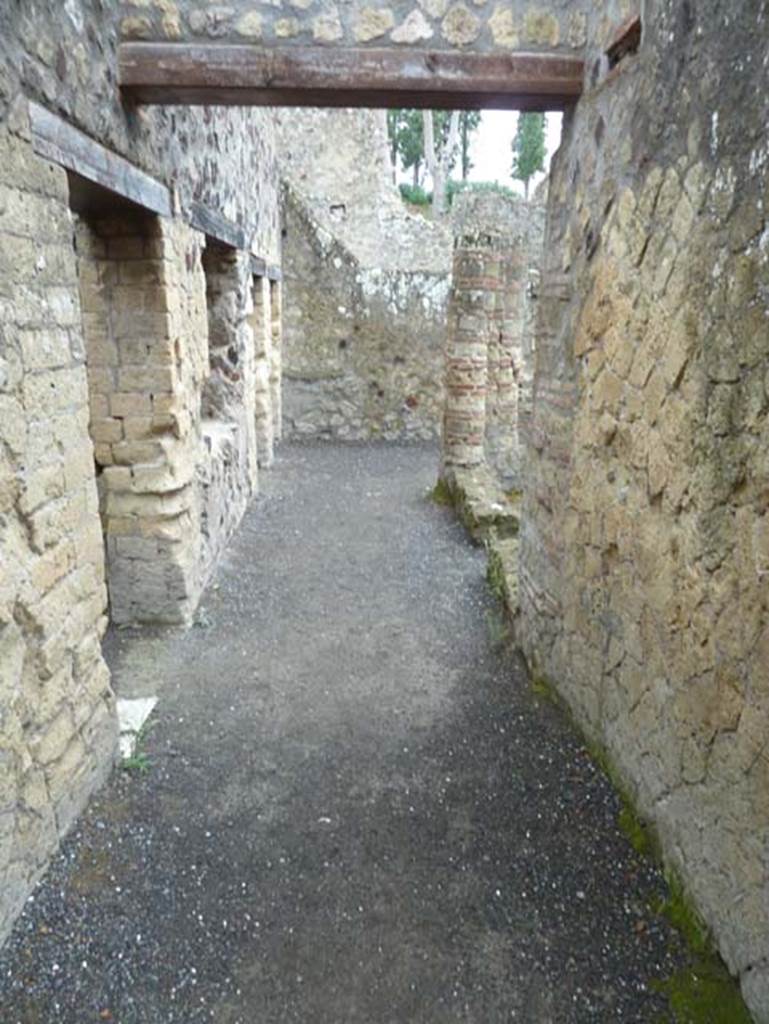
[216,226]
[224,74]
[63,144]
[57,140]
[261,268]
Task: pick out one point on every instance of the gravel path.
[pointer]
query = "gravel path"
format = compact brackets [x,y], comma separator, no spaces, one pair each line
[356,812]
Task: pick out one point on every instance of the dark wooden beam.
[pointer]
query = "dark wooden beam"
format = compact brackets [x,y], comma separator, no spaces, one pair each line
[182,73]
[261,268]
[216,226]
[626,40]
[58,141]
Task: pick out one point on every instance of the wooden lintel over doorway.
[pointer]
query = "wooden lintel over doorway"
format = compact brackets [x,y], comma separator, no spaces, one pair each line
[62,143]
[215,74]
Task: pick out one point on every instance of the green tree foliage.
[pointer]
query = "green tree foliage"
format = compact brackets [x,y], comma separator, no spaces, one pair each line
[528,148]
[406,141]
[407,144]
[469,120]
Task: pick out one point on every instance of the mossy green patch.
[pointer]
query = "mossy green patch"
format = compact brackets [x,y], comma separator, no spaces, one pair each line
[704,993]
[495,575]
[677,908]
[544,689]
[634,829]
[442,493]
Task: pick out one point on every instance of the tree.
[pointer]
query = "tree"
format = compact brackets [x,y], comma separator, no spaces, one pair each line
[406,135]
[528,148]
[406,142]
[440,158]
[469,120]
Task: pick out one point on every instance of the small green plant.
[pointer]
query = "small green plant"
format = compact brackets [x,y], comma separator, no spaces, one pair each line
[682,915]
[495,575]
[415,195]
[634,829]
[442,493]
[139,762]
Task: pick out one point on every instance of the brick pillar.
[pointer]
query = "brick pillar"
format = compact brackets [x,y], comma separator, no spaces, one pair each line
[276,358]
[262,326]
[506,352]
[471,321]
[143,308]
[227,474]
[485,331]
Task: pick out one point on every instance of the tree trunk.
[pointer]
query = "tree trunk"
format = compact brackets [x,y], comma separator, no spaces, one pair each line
[526,188]
[438,163]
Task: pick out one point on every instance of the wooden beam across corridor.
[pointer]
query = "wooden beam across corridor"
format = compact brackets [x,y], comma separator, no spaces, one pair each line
[237,75]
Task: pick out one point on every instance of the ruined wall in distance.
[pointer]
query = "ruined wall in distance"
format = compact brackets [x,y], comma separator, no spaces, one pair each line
[365,287]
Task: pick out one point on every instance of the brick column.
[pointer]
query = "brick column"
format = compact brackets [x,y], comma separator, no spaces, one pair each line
[506,352]
[276,358]
[471,320]
[485,328]
[262,326]
[145,332]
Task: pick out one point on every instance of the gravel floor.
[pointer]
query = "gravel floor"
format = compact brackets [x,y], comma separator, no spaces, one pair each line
[356,811]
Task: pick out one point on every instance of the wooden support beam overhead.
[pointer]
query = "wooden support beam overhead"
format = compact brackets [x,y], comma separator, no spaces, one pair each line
[215,74]
[260,268]
[58,141]
[215,225]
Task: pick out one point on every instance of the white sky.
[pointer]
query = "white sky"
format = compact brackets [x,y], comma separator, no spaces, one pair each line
[491,151]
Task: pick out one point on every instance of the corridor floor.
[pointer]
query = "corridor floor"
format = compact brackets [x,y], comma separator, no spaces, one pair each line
[356,810]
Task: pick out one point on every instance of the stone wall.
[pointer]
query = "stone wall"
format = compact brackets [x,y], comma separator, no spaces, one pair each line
[104,356]
[441,24]
[227,472]
[366,286]
[645,544]
[63,54]
[57,719]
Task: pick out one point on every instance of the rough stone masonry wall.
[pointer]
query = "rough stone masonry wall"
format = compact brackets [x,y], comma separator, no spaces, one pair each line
[441,24]
[57,725]
[366,285]
[228,471]
[645,546]
[143,304]
[57,719]
[63,54]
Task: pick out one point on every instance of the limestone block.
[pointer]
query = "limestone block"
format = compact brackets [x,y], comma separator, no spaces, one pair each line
[577,30]
[541,28]
[434,8]
[286,28]
[372,23]
[414,29]
[249,25]
[503,27]
[327,27]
